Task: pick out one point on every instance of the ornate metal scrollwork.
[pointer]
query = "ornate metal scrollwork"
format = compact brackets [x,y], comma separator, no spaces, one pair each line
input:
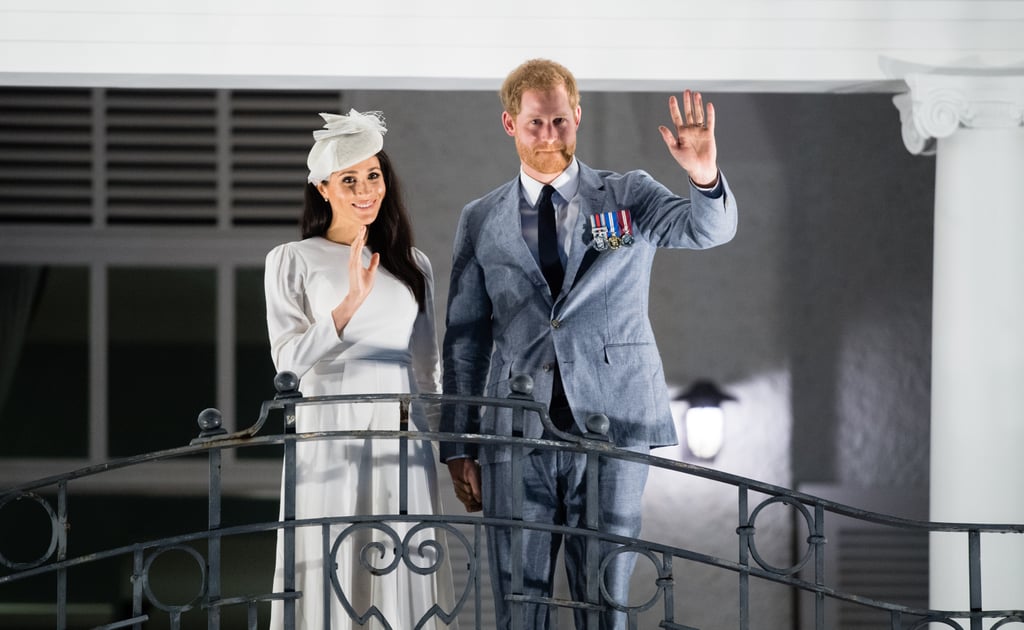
[54,531]
[147,588]
[662,582]
[407,551]
[812,540]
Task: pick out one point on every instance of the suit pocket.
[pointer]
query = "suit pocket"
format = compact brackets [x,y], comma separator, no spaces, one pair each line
[631,355]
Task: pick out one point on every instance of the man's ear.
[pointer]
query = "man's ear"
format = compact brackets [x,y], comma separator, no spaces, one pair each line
[509,123]
[579,115]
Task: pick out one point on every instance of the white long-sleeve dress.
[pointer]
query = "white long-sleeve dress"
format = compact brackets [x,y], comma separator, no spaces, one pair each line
[389,346]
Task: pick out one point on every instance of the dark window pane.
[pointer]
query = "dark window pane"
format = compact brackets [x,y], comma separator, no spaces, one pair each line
[105,522]
[162,362]
[254,377]
[44,362]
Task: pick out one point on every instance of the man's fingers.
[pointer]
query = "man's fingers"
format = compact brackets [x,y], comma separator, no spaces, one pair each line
[673,111]
[694,112]
[465,475]
[668,136]
[470,481]
[688,107]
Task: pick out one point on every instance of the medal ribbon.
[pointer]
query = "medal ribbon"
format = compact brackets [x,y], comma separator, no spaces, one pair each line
[627,223]
[612,220]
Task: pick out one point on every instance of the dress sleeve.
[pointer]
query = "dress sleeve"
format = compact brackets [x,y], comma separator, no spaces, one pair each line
[426,361]
[297,340]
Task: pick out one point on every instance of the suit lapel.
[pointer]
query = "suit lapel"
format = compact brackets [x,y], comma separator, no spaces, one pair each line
[506,231]
[582,255]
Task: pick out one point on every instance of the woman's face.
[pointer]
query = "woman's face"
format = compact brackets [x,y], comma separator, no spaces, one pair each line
[355,194]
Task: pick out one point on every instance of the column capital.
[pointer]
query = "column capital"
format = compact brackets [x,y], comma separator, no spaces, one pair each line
[944,99]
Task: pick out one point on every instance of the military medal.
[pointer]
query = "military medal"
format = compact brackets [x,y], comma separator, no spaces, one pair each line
[612,229]
[627,227]
[600,233]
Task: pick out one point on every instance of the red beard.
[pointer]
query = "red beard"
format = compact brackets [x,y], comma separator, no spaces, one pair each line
[553,158]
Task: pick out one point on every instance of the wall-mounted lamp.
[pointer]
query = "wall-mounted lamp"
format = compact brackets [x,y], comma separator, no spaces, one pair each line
[704,420]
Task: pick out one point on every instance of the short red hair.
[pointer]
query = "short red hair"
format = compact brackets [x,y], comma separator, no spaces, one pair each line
[537,74]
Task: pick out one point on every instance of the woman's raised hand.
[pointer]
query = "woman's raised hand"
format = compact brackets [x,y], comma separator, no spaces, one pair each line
[360,281]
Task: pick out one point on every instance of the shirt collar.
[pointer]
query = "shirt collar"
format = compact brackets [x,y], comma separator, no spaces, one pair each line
[566,184]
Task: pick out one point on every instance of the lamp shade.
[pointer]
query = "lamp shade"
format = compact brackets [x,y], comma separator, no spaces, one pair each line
[705,394]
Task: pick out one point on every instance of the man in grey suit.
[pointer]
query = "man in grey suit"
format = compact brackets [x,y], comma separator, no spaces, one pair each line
[550,278]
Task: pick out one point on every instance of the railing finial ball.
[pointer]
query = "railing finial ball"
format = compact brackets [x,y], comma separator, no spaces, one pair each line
[285,382]
[598,423]
[209,419]
[521,384]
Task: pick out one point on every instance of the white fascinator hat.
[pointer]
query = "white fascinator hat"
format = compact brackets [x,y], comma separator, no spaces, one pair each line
[345,140]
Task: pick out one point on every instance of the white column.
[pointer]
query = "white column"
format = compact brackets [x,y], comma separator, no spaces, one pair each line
[972,120]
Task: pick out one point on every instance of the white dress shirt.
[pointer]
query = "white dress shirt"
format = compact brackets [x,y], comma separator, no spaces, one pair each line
[567,209]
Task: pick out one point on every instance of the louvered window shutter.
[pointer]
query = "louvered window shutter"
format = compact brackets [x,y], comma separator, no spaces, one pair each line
[46,155]
[156,157]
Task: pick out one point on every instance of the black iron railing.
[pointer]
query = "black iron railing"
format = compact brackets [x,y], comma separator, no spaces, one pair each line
[464,533]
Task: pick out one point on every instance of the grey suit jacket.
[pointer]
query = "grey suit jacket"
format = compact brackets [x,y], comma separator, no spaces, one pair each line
[502,320]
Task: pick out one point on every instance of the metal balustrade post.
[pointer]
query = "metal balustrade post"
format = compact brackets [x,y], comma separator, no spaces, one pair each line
[591,522]
[745,531]
[138,568]
[287,385]
[974,573]
[211,424]
[478,615]
[818,538]
[326,568]
[522,388]
[597,430]
[213,545]
[288,516]
[62,552]
[668,592]
[403,457]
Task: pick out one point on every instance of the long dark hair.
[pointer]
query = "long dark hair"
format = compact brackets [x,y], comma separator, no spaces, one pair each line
[390,235]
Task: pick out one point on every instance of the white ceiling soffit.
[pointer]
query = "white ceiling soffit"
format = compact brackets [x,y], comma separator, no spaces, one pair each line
[636,45]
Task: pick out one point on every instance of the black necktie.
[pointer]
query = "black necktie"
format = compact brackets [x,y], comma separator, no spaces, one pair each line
[551,266]
[547,242]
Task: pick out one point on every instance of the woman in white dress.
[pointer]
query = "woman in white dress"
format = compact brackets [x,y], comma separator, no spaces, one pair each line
[350,311]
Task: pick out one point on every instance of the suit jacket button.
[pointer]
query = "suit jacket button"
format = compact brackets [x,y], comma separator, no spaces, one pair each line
[555,323]
[546,367]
